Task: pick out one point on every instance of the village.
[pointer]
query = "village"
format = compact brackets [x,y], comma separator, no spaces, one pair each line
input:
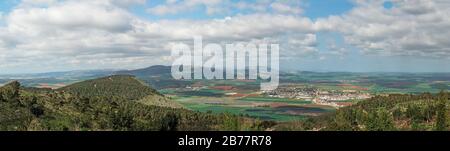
[335,98]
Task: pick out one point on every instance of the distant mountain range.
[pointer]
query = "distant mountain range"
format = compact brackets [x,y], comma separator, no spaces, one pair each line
[149,71]
[156,70]
[62,74]
[152,70]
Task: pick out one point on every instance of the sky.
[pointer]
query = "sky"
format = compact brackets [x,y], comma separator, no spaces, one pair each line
[314,35]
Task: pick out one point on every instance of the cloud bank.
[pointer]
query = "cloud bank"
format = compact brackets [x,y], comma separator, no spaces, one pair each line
[66,34]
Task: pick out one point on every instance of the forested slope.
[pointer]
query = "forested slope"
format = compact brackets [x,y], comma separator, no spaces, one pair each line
[424,112]
[33,109]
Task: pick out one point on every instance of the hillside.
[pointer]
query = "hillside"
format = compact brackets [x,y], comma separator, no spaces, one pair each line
[424,112]
[122,86]
[47,110]
[23,110]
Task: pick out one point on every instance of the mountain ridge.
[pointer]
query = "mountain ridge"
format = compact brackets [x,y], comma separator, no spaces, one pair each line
[125,86]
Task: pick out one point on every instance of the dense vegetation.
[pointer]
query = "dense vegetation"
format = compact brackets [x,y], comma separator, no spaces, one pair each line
[121,86]
[124,103]
[384,113]
[69,109]
[124,86]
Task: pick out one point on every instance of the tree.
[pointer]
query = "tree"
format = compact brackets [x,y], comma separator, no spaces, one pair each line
[380,120]
[10,92]
[169,122]
[345,120]
[37,110]
[230,122]
[441,119]
[122,119]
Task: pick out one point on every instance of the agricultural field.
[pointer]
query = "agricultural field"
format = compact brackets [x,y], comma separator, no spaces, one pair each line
[237,100]
[244,96]
[260,108]
[377,83]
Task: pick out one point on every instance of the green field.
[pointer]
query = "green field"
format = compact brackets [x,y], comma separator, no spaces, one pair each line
[263,113]
[285,109]
[275,100]
[245,106]
[204,95]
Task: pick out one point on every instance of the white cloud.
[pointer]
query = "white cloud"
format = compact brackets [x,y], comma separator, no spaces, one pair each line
[103,34]
[38,2]
[69,16]
[411,27]
[286,8]
[239,27]
[175,7]
[300,46]
[259,6]
[73,34]
[226,6]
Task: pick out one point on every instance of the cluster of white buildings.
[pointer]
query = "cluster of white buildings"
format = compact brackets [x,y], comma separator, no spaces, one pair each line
[317,96]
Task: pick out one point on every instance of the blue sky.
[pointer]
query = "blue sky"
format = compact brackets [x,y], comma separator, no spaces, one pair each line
[313,9]
[315,35]
[320,8]
[6,6]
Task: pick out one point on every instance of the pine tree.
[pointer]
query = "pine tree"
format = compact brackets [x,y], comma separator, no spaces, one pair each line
[441,119]
[230,122]
[10,92]
[169,122]
[380,120]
